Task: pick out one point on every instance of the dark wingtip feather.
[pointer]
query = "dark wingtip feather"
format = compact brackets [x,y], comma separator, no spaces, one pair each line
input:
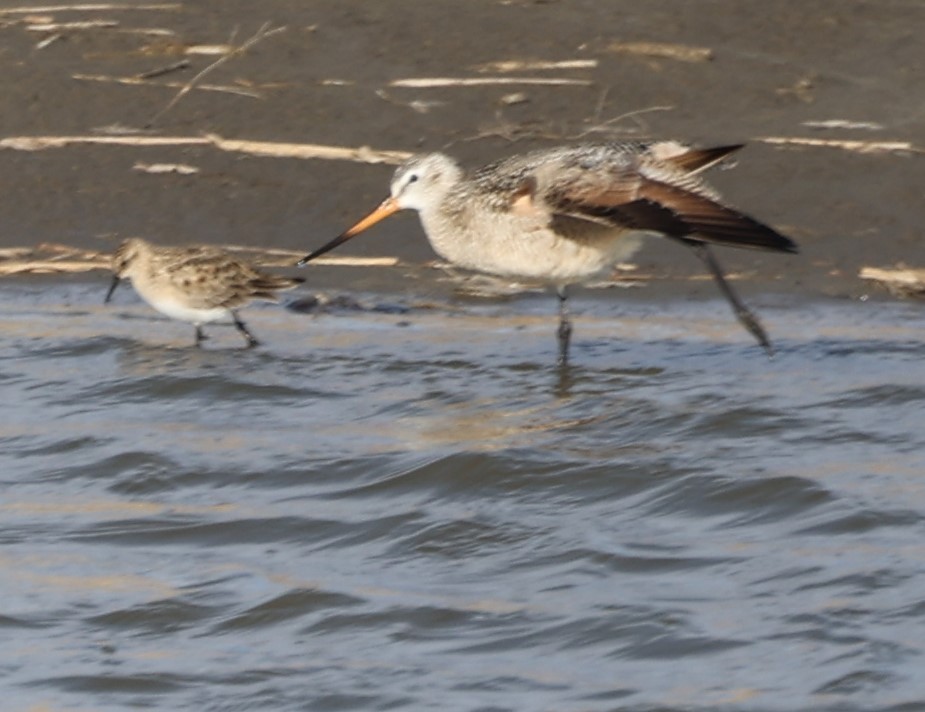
[699,159]
[681,213]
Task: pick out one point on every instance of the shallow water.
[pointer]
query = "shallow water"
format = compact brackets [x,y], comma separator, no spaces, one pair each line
[416,511]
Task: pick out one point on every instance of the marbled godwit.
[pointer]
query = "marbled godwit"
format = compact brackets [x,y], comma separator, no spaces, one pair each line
[565,215]
[194,284]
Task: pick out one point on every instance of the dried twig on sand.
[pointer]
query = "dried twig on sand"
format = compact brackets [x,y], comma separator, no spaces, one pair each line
[48,40]
[436,82]
[161,71]
[142,81]
[844,124]
[280,257]
[512,131]
[40,143]
[76,25]
[360,154]
[515,65]
[89,7]
[607,126]
[273,149]
[845,144]
[182,169]
[515,131]
[901,282]
[261,34]
[682,53]
[50,258]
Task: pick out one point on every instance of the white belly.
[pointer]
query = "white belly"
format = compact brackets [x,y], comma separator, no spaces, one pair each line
[171,304]
[536,253]
[194,316]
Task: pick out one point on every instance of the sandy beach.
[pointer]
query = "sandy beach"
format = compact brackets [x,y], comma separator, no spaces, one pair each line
[827,97]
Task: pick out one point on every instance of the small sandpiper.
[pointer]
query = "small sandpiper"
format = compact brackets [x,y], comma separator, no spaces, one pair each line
[199,284]
[565,215]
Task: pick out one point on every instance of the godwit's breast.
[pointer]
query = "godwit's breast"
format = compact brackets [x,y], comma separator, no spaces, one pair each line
[560,251]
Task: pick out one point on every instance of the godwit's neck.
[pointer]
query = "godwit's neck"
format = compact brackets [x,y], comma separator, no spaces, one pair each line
[455,228]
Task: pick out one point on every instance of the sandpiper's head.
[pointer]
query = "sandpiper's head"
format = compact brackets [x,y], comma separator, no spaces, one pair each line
[126,256]
[420,183]
[124,261]
[423,181]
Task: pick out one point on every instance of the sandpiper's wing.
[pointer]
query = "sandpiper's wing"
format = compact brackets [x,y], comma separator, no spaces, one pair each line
[646,187]
[210,277]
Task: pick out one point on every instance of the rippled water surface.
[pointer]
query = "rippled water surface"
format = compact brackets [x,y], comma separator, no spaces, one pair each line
[415,511]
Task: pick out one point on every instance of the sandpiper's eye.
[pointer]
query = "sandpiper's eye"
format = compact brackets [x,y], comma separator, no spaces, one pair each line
[412,178]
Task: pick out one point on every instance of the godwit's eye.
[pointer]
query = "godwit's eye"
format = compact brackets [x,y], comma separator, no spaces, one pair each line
[412,178]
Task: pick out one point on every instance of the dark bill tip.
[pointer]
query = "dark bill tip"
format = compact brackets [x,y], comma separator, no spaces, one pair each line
[112,288]
[386,208]
[323,249]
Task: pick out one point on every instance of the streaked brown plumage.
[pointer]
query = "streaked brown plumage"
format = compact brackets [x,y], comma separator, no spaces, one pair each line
[565,215]
[199,284]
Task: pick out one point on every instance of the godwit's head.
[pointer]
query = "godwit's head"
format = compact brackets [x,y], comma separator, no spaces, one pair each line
[420,183]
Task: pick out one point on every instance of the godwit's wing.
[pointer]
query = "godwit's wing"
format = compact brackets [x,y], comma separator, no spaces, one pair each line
[639,192]
[690,160]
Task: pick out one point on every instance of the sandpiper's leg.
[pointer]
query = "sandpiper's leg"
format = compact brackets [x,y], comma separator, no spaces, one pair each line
[565,326]
[200,336]
[742,312]
[239,325]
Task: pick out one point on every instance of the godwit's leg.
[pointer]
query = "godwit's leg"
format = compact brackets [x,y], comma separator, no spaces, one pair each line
[742,312]
[200,336]
[565,326]
[239,325]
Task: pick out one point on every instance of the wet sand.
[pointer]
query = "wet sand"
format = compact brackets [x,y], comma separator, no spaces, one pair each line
[723,72]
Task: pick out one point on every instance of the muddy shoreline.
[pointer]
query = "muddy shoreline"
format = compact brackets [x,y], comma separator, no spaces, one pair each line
[838,79]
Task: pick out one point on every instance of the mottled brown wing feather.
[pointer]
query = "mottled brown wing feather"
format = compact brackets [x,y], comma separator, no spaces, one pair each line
[587,198]
[638,203]
[211,278]
[207,280]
